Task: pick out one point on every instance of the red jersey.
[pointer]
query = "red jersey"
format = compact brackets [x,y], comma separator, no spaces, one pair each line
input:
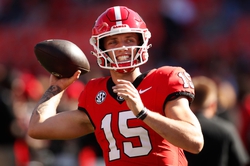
[124,139]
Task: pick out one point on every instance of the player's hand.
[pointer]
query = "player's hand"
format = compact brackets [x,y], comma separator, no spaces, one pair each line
[126,90]
[63,83]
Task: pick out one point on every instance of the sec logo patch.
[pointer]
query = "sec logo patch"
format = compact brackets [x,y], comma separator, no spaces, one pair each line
[100,97]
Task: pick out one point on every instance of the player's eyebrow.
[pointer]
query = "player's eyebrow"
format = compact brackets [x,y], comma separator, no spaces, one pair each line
[128,35]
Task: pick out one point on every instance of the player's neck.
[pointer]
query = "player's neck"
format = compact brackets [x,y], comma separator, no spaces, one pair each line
[131,76]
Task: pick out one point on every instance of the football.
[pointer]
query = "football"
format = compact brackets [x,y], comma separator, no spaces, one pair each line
[62,58]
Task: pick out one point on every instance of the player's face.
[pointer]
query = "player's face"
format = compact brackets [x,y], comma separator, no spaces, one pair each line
[121,41]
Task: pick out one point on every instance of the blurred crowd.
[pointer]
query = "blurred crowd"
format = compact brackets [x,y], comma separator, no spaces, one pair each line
[209,37]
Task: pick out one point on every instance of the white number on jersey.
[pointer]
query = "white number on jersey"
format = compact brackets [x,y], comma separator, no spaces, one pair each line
[127,132]
[187,82]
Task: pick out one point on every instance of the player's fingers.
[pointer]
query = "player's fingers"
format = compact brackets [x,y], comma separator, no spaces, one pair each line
[69,81]
[124,85]
[63,83]
[120,81]
[53,79]
[76,74]
[123,95]
[122,90]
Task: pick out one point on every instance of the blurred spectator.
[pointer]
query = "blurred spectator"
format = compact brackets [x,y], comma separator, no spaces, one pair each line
[176,15]
[245,123]
[10,10]
[227,102]
[90,153]
[7,139]
[25,91]
[222,143]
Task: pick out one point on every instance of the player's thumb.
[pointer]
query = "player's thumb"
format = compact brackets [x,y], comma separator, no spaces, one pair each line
[74,77]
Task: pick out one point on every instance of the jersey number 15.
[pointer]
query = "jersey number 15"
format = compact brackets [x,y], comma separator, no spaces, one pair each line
[127,132]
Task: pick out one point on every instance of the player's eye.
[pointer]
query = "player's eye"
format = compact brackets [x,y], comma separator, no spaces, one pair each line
[131,41]
[111,43]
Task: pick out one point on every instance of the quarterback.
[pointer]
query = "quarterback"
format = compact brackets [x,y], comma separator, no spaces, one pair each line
[138,118]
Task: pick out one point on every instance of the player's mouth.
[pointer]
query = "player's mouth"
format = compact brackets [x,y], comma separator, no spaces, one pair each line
[123,58]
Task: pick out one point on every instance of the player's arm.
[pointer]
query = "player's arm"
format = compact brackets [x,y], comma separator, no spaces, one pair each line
[45,123]
[180,126]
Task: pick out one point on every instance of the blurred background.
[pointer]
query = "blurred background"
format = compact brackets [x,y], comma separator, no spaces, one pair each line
[209,37]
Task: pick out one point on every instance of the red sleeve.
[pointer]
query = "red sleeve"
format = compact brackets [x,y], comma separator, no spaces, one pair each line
[85,95]
[81,99]
[175,82]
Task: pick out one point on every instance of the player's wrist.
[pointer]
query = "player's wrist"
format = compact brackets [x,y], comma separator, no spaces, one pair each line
[142,114]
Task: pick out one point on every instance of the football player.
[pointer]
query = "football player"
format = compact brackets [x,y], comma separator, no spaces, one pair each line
[138,118]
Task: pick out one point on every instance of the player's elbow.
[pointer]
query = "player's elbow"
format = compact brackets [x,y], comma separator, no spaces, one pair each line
[198,148]
[197,145]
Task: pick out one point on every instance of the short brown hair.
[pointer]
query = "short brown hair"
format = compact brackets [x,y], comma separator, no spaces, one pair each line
[205,92]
